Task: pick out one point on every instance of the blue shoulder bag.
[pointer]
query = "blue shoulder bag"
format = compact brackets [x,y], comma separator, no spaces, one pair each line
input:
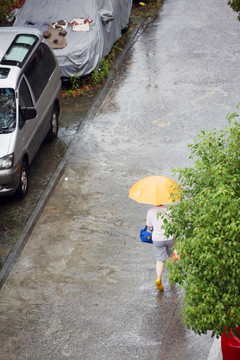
[145,235]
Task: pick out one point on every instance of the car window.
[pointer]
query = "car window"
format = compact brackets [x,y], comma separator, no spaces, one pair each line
[40,69]
[7,110]
[25,99]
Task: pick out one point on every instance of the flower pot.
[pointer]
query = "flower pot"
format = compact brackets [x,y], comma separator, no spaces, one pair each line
[231,346]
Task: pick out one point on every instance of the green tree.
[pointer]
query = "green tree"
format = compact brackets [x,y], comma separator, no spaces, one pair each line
[206,224]
[235,5]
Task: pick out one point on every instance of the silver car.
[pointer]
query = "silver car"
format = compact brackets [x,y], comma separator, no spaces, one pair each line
[30,98]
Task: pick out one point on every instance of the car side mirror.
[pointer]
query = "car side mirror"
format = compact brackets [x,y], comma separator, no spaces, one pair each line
[29,113]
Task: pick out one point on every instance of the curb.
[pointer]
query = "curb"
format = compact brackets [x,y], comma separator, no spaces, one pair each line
[28,228]
[215,351]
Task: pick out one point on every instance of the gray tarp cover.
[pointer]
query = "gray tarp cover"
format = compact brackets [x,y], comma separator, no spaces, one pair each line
[84,48]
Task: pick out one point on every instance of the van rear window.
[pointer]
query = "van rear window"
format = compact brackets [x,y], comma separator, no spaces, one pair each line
[7,110]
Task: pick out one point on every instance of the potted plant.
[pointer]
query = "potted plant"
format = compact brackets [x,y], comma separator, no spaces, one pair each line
[231,345]
[206,224]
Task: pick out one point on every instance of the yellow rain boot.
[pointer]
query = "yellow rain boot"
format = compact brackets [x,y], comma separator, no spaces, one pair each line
[159,284]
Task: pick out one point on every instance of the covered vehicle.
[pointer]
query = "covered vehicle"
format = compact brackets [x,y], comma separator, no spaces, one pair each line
[80,32]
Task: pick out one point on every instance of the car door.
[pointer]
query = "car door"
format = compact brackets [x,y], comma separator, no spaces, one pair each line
[38,73]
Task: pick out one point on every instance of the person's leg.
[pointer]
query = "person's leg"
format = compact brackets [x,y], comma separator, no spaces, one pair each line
[163,249]
[159,269]
[160,250]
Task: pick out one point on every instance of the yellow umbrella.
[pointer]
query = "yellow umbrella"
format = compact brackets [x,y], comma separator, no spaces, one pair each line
[154,190]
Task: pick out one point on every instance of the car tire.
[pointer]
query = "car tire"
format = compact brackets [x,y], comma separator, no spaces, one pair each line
[23,182]
[53,131]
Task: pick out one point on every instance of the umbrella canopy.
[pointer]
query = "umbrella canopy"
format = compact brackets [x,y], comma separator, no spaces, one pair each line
[154,190]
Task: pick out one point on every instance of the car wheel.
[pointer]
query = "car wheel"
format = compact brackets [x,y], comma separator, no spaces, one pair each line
[53,131]
[23,183]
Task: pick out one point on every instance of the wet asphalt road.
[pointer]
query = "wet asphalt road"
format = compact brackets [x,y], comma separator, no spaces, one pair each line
[83,288]
[14,213]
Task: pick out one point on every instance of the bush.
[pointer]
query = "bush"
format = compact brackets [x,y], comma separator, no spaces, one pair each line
[5,11]
[206,224]
[235,5]
[99,75]
[7,6]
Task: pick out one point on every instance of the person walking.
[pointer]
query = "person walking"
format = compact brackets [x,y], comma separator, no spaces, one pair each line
[162,244]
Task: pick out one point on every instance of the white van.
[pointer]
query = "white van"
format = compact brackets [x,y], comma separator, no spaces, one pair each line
[30,97]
